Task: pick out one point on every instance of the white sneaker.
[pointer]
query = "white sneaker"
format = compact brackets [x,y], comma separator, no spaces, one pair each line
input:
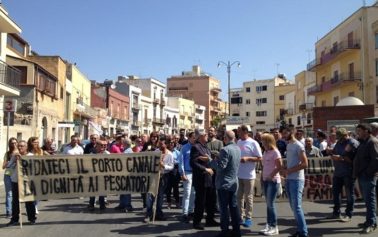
[272,231]
[265,229]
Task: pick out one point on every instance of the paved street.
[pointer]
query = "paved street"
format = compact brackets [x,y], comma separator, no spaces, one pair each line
[69,217]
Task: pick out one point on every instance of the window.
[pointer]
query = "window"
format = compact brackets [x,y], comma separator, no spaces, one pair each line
[261,101]
[24,74]
[351,93]
[247,114]
[248,89]
[16,44]
[261,88]
[324,103]
[376,40]
[237,100]
[61,93]
[248,101]
[260,122]
[46,84]
[261,113]
[281,97]
[290,121]
[298,120]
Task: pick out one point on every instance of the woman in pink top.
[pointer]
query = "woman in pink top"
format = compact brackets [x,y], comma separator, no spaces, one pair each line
[272,164]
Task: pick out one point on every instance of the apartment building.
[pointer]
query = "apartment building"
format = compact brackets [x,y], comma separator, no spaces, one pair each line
[171,115]
[346,62]
[200,87]
[9,76]
[155,90]
[186,119]
[298,104]
[200,112]
[134,93]
[257,102]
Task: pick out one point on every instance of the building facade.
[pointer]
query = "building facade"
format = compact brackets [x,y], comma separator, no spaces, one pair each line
[200,87]
[340,55]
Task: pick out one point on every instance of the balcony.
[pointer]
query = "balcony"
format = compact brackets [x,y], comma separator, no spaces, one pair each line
[87,111]
[341,79]
[136,124]
[198,117]
[216,89]
[162,102]
[147,122]
[158,121]
[336,50]
[306,107]
[135,108]
[10,79]
[156,101]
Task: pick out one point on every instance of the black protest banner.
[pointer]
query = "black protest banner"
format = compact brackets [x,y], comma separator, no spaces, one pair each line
[65,176]
[318,180]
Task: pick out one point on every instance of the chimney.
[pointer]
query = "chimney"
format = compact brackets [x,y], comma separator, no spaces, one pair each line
[196,70]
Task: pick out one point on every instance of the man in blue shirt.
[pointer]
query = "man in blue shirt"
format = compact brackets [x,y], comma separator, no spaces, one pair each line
[342,156]
[185,171]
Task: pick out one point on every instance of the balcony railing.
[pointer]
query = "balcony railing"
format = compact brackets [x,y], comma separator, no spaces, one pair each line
[156,101]
[136,124]
[306,106]
[158,120]
[217,89]
[162,102]
[333,52]
[9,75]
[335,82]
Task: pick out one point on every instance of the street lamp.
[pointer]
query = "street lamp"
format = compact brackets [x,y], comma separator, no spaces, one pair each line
[229,65]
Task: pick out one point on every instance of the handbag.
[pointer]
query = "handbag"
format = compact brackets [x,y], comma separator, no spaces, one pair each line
[279,190]
[8,171]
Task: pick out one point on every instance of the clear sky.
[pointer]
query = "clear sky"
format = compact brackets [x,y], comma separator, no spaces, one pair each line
[160,38]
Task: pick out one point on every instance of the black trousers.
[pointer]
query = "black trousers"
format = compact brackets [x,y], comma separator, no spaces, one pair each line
[205,199]
[30,207]
[173,183]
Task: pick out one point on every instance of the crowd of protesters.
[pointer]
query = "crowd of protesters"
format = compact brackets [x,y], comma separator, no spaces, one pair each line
[218,173]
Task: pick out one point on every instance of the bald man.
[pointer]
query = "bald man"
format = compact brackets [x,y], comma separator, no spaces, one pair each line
[226,182]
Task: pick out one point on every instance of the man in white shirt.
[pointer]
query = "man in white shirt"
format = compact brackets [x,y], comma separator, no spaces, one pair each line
[250,154]
[73,147]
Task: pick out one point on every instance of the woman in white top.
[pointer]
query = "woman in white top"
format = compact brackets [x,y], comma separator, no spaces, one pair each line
[12,150]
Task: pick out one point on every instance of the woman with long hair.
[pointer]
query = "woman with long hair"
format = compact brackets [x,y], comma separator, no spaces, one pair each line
[35,150]
[152,143]
[12,150]
[272,164]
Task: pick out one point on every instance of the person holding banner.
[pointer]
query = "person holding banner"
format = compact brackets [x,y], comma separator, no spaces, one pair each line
[365,168]
[73,148]
[295,179]
[167,165]
[12,151]
[342,157]
[100,149]
[30,207]
[272,164]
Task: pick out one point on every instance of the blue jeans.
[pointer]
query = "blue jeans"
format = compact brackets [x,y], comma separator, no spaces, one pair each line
[368,186]
[8,194]
[228,204]
[294,191]
[270,190]
[337,188]
[160,198]
[188,195]
[125,201]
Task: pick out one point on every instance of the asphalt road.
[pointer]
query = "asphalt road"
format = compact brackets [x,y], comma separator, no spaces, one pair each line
[70,217]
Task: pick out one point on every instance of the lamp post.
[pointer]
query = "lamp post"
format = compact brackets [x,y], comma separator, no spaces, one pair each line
[229,65]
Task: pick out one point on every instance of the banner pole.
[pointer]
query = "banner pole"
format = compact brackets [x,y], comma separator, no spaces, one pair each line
[19,192]
[156,197]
